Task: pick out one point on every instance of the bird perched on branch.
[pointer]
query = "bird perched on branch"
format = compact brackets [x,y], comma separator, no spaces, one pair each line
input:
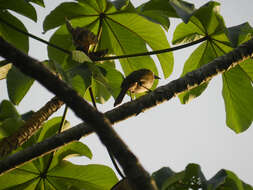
[136,82]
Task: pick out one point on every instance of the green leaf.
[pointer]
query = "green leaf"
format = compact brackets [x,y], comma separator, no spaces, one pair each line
[202,55]
[10,120]
[183,9]
[173,180]
[63,39]
[157,17]
[239,112]
[72,149]
[205,21]
[99,6]
[240,33]
[114,78]
[185,33]
[173,8]
[207,18]
[7,110]
[62,174]
[104,79]
[9,126]
[162,175]
[80,56]
[19,6]
[123,32]
[80,78]
[217,44]
[101,94]
[193,174]
[120,41]
[217,180]
[233,182]
[17,178]
[247,67]
[18,85]
[89,177]
[17,39]
[51,127]
[129,32]
[193,178]
[69,10]
[38,2]
[121,4]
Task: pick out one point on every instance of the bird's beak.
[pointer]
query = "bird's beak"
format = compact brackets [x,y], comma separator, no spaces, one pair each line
[156,77]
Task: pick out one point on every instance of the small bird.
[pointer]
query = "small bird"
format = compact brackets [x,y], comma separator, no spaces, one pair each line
[136,82]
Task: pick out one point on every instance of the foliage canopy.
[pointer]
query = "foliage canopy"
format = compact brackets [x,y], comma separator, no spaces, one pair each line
[125,30]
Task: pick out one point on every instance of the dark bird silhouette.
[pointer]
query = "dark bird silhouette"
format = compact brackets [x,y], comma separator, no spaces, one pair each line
[136,82]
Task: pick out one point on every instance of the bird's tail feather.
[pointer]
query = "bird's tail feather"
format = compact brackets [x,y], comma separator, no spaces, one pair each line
[120,97]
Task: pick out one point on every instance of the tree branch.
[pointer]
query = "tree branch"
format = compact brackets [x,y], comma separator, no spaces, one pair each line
[101,125]
[180,85]
[159,95]
[40,149]
[10,143]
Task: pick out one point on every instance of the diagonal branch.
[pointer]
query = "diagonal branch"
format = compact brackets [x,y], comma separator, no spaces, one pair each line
[187,82]
[10,143]
[101,125]
[49,145]
[159,95]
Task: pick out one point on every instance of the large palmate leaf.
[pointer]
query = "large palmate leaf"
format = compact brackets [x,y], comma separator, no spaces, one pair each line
[204,22]
[193,178]
[19,6]
[121,30]
[56,173]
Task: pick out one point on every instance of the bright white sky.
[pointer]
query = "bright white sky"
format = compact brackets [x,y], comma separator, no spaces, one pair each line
[170,134]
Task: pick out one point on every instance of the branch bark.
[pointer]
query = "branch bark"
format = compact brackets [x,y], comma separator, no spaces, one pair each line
[101,125]
[10,143]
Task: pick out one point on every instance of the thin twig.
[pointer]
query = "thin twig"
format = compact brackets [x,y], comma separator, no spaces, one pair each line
[109,57]
[34,37]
